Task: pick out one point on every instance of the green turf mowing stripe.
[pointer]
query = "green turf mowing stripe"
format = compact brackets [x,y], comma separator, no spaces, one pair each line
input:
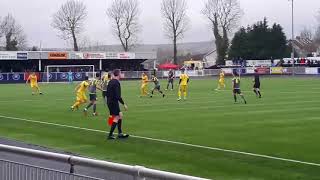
[171,142]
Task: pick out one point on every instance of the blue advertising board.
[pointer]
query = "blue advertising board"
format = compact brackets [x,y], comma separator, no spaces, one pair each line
[22,56]
[7,78]
[63,76]
[12,78]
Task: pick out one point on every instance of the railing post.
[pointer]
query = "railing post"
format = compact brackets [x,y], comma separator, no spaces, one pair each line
[137,173]
[71,165]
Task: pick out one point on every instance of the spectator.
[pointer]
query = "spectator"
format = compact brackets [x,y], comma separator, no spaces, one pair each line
[308,62]
[303,62]
[298,62]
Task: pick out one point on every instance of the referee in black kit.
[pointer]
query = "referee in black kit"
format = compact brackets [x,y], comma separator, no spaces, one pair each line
[113,99]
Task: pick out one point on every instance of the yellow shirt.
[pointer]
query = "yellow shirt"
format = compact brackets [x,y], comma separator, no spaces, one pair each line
[33,79]
[105,78]
[144,79]
[184,79]
[222,76]
[83,87]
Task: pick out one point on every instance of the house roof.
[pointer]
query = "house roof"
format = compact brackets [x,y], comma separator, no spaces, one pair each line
[304,44]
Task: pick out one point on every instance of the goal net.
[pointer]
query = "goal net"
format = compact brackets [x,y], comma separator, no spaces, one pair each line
[67,73]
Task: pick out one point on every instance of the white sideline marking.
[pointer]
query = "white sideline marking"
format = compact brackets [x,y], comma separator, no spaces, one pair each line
[171,142]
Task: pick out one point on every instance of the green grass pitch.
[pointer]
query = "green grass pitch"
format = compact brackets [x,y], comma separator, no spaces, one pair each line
[285,123]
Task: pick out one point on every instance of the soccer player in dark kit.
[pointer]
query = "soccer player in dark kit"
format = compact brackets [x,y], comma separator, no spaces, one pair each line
[256,86]
[156,86]
[170,79]
[113,99]
[93,86]
[236,87]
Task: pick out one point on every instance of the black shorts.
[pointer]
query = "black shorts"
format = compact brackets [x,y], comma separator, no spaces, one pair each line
[157,88]
[114,109]
[170,80]
[93,97]
[104,94]
[236,91]
[256,85]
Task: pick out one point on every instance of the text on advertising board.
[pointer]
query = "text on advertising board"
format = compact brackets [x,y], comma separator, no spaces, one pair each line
[94,55]
[22,56]
[111,55]
[263,70]
[126,55]
[5,55]
[58,55]
[276,70]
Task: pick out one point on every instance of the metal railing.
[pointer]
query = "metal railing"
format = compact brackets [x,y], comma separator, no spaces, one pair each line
[13,170]
[10,170]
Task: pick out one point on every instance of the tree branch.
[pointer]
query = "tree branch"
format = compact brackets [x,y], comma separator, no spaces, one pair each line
[124,15]
[69,20]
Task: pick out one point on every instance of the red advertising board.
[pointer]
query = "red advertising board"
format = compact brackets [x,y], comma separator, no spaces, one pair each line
[57,55]
[263,70]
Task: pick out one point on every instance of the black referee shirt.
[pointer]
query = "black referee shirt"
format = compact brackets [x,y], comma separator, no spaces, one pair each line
[114,92]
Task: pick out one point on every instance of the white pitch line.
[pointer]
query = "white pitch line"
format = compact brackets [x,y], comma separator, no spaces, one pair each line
[172,142]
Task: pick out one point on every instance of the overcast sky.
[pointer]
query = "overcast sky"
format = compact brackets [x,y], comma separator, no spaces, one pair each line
[36,15]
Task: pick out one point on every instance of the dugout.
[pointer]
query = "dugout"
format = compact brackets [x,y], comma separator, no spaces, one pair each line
[125,65]
[16,65]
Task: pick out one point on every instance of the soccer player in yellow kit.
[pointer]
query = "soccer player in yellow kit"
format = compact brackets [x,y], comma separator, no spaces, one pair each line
[104,85]
[81,94]
[144,85]
[34,83]
[183,83]
[221,83]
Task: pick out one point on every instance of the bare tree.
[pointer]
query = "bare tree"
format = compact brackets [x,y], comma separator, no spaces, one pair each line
[0,28]
[224,15]
[124,17]
[69,20]
[176,21]
[15,38]
[85,43]
[316,36]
